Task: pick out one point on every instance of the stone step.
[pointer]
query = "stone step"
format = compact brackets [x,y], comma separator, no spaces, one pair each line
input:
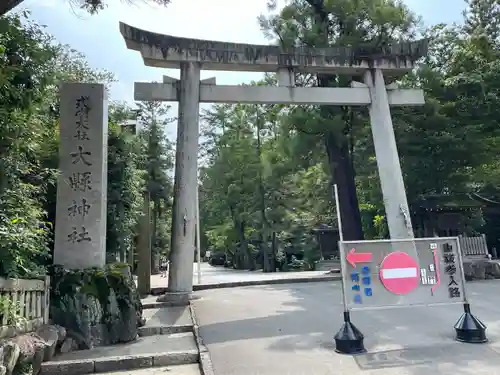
[192,369]
[149,302]
[145,352]
[166,320]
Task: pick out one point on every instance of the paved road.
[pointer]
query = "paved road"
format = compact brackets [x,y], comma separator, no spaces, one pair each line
[288,329]
[214,275]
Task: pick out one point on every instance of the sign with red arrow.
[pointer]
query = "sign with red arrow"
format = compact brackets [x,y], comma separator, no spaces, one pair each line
[353,257]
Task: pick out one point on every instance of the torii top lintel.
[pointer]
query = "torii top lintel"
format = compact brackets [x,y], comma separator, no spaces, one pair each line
[167,51]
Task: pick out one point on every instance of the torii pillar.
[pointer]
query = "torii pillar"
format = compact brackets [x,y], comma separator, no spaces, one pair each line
[391,177]
[180,276]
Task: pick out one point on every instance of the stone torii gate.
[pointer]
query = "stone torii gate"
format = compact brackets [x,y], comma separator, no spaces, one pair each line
[193,55]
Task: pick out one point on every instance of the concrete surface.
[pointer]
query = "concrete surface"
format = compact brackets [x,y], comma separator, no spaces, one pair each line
[289,329]
[146,352]
[219,274]
[171,370]
[168,316]
[160,321]
[179,342]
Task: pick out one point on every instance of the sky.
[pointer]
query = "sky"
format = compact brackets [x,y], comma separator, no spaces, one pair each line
[99,38]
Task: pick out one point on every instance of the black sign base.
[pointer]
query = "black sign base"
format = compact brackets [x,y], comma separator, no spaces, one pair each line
[349,339]
[469,328]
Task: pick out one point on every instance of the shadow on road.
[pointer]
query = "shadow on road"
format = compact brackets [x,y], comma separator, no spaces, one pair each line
[303,318]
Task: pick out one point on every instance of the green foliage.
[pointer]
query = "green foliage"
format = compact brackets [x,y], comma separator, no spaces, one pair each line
[94,6]
[32,65]
[125,184]
[156,163]
[447,147]
[24,75]
[12,311]
[91,6]
[268,171]
[252,190]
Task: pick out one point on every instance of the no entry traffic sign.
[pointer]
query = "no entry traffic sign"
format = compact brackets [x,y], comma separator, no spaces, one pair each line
[399,273]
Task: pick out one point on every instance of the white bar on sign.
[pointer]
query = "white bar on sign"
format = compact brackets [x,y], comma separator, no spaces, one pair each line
[399,273]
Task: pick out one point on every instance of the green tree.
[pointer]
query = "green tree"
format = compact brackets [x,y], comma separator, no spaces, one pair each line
[229,183]
[125,184]
[158,163]
[25,72]
[320,23]
[259,198]
[32,67]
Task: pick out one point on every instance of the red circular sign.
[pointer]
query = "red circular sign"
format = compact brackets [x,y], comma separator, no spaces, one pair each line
[399,273]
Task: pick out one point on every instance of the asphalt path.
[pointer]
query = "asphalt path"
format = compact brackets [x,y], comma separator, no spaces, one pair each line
[219,274]
[289,329]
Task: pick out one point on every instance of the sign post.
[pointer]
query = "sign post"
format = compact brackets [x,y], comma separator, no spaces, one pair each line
[349,339]
[386,274]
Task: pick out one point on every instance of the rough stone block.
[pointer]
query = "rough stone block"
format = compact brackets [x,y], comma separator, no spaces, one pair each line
[68,345]
[50,334]
[11,352]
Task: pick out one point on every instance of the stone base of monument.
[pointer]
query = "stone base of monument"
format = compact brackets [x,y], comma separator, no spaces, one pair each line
[349,339]
[176,298]
[469,328]
[98,307]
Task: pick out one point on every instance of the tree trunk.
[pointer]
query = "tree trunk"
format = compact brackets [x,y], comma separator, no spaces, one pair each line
[273,251]
[244,258]
[342,171]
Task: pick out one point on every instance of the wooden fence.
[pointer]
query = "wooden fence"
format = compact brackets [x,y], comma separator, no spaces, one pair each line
[24,305]
[474,247]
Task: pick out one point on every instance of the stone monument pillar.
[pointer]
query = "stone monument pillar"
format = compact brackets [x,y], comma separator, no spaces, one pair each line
[389,168]
[80,232]
[180,277]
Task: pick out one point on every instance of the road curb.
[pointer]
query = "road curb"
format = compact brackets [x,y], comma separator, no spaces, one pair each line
[206,366]
[120,363]
[296,280]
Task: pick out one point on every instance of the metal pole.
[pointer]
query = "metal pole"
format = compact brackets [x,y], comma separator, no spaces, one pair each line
[462,272]
[198,247]
[337,208]
[343,266]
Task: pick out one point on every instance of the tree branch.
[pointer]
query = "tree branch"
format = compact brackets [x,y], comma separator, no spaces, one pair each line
[7,5]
